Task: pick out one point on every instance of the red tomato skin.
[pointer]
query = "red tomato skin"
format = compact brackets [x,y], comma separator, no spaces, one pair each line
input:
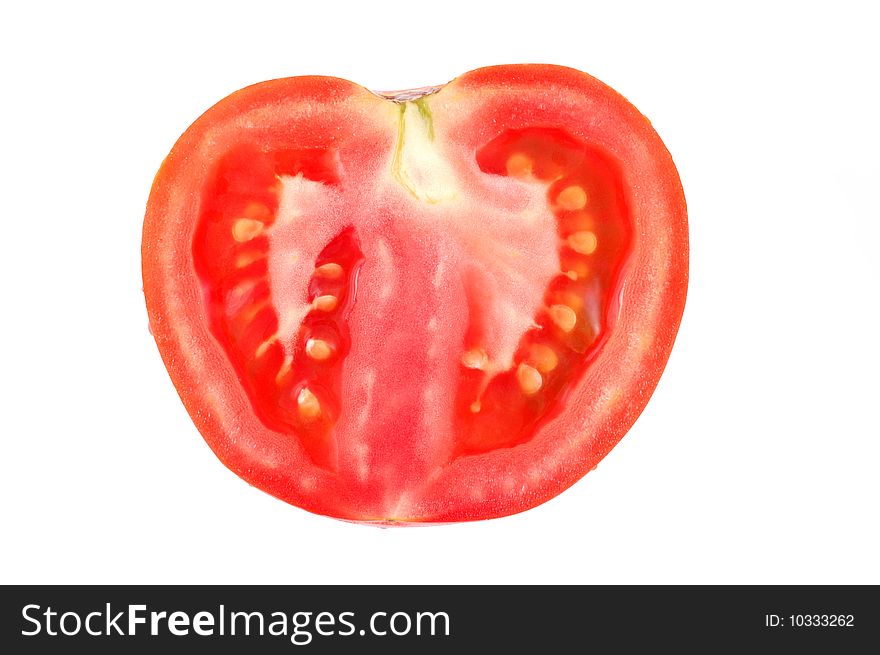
[604,403]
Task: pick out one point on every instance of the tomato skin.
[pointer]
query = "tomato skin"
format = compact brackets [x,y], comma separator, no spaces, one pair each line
[313,112]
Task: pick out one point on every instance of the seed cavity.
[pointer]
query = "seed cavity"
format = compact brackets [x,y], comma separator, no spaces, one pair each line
[325,303]
[583,243]
[308,405]
[245,229]
[519,165]
[475,358]
[563,316]
[572,198]
[530,380]
[329,271]
[318,349]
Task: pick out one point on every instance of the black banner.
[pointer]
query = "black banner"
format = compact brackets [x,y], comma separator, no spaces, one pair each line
[406,619]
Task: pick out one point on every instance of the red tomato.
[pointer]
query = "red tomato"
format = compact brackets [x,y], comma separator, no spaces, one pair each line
[438,305]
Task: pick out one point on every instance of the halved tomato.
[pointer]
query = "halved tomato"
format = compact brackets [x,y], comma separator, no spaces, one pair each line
[436,305]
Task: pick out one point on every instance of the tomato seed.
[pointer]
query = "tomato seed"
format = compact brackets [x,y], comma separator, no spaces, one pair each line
[519,165]
[475,358]
[544,358]
[572,198]
[318,349]
[530,380]
[325,303]
[564,317]
[331,271]
[245,229]
[584,243]
[307,402]
[258,211]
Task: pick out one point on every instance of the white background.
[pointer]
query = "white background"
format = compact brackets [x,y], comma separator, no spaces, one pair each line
[756,461]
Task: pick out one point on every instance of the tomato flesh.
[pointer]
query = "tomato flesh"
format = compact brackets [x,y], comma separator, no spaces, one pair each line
[374,319]
[295,387]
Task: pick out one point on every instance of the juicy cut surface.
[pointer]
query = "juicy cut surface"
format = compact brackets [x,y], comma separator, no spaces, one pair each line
[436,306]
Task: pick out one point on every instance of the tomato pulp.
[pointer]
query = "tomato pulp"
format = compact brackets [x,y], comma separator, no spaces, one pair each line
[435,305]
